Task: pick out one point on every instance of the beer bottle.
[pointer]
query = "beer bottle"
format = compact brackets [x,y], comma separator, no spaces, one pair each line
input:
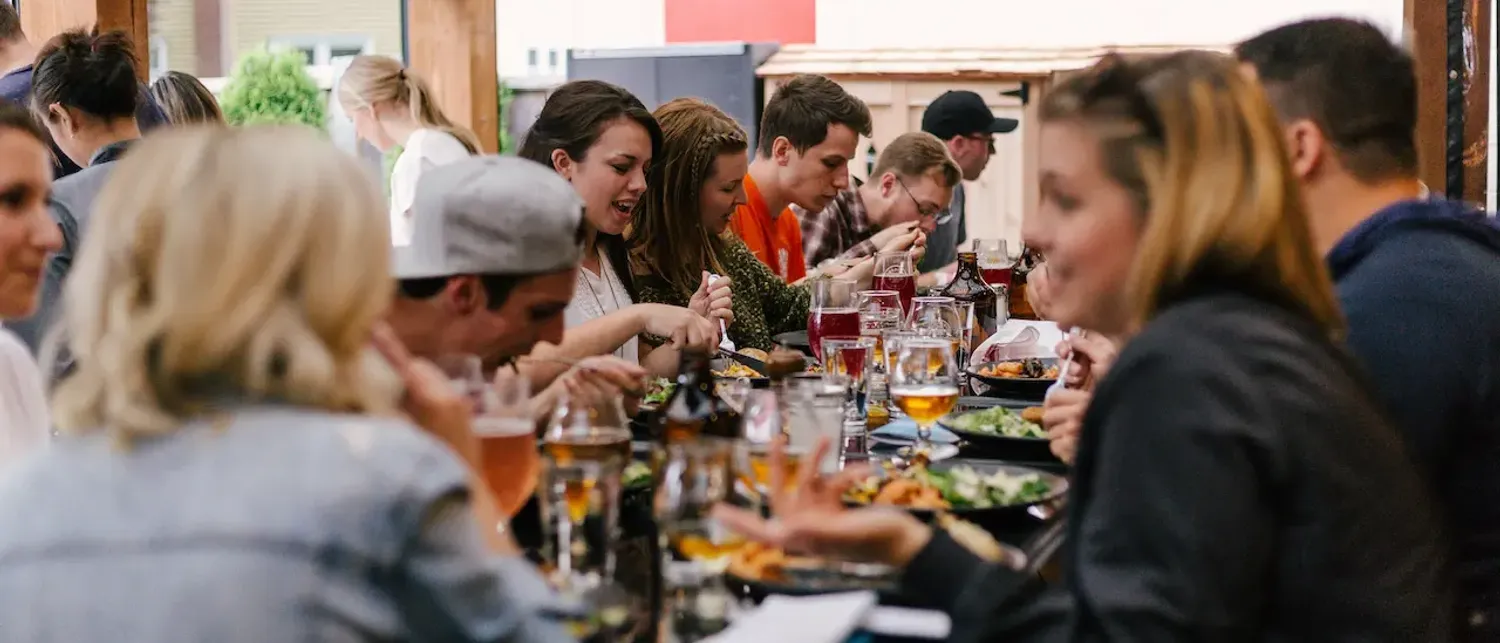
[968,286]
[695,409]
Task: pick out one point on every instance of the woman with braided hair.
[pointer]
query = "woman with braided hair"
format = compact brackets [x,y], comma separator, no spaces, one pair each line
[678,237]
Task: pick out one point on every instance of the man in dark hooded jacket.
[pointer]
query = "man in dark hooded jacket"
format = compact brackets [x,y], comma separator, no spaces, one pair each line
[1418,278]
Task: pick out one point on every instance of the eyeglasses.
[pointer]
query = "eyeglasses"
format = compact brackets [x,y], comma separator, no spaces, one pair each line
[942,215]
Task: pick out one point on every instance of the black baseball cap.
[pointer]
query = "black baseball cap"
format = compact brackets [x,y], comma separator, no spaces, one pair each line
[961,113]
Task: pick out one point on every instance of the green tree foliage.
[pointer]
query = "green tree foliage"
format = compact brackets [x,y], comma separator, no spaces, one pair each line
[273,87]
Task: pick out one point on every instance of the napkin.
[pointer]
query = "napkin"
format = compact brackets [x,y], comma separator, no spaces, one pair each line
[829,618]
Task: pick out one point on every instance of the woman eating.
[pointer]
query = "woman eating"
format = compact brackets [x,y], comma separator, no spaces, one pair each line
[1234,479]
[602,140]
[678,238]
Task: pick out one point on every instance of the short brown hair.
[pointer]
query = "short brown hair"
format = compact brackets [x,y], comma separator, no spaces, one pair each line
[918,154]
[802,109]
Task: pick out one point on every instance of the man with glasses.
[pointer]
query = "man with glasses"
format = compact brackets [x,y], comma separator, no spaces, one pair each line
[963,121]
[905,199]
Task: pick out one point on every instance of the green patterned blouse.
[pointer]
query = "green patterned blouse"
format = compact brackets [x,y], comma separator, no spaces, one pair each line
[764,305]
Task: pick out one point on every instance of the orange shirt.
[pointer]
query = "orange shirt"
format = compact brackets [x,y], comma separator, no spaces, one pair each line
[776,242]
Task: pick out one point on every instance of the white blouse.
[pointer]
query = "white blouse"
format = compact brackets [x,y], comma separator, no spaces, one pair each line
[424,150]
[595,296]
[24,422]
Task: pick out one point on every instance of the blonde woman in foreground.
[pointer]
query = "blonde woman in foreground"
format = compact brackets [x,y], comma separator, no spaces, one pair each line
[1235,482]
[391,107]
[236,465]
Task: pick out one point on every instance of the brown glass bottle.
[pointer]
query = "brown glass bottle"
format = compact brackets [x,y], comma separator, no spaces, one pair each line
[969,286]
[1020,308]
[695,409]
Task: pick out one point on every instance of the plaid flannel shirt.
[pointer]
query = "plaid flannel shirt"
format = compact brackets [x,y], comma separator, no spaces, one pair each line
[841,230]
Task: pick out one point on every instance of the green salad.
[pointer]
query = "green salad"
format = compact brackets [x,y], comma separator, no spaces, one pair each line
[998,421]
[658,391]
[965,488]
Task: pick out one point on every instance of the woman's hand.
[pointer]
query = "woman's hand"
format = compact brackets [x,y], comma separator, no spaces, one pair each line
[810,517]
[1062,417]
[431,400]
[714,300]
[1092,355]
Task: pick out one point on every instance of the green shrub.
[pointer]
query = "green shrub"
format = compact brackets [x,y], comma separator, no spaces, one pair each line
[273,87]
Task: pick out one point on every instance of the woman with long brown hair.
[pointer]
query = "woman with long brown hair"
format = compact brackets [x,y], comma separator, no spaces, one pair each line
[1235,480]
[679,237]
[391,107]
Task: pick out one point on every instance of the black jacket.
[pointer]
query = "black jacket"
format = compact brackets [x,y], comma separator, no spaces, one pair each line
[1234,482]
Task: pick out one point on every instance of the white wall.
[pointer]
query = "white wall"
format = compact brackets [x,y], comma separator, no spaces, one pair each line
[867,24]
[563,24]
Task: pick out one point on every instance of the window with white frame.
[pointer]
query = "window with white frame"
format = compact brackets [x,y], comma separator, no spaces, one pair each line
[320,50]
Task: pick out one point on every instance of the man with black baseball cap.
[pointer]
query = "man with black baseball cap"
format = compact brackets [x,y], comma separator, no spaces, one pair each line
[495,248]
[964,121]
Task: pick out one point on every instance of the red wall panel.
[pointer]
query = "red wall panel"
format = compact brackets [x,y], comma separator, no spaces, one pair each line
[780,21]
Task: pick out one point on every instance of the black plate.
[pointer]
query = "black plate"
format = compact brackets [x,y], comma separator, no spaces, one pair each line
[1003,447]
[1027,388]
[796,339]
[997,519]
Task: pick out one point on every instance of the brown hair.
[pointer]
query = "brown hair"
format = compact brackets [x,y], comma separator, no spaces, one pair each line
[1350,80]
[185,100]
[918,154]
[89,71]
[1197,143]
[802,109]
[667,237]
[371,80]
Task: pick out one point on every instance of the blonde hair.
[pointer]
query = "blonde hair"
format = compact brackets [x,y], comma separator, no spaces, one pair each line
[238,264]
[667,237]
[372,80]
[1199,145]
[918,154]
[185,100]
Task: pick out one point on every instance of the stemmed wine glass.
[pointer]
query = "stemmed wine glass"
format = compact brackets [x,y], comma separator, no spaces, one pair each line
[924,384]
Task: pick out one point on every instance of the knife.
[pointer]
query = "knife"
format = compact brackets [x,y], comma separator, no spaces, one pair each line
[759,366]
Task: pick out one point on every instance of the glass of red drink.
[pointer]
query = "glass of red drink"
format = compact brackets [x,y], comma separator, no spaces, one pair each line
[832,313]
[895,271]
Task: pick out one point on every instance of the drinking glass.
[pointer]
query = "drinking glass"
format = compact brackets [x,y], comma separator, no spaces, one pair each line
[694,477]
[895,271]
[848,367]
[832,313]
[503,424]
[924,383]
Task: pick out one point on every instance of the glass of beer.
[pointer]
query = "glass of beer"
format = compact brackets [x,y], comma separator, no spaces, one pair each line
[503,424]
[924,383]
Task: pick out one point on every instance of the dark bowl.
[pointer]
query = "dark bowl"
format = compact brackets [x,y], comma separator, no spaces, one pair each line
[1004,518]
[1018,388]
[1002,447]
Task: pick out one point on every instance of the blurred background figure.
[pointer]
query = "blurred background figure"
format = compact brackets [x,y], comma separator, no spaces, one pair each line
[185,100]
[392,107]
[84,91]
[27,234]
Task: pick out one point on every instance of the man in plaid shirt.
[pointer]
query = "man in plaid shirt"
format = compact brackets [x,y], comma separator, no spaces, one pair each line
[908,193]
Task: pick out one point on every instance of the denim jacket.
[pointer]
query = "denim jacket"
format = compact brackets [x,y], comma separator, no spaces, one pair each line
[268,523]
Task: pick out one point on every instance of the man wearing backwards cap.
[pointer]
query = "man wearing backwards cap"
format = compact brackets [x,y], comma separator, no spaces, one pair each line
[495,248]
[963,121]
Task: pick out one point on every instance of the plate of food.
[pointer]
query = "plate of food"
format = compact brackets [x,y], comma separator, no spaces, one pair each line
[985,492]
[1025,379]
[1004,432]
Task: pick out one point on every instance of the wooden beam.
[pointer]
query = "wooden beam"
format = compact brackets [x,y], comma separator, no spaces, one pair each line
[43,19]
[453,48]
[1427,36]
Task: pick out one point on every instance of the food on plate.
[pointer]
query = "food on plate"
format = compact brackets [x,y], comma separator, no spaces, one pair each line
[658,391]
[961,487]
[1000,421]
[1029,368]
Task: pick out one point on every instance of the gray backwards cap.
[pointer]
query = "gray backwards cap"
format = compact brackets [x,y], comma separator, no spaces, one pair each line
[491,215]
